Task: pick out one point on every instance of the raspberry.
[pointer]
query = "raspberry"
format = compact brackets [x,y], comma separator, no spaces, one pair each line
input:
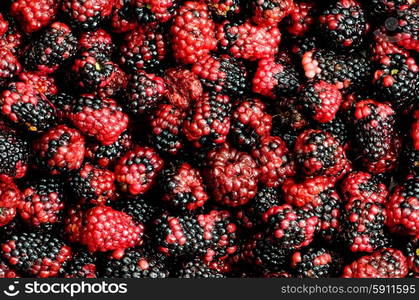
[136,263]
[26,107]
[143,49]
[36,254]
[82,265]
[143,93]
[374,128]
[364,186]
[183,87]
[248,41]
[60,150]
[301,18]
[249,123]
[150,11]
[274,160]
[192,31]
[320,100]
[9,67]
[107,155]
[396,77]
[386,263]
[270,12]
[87,14]
[316,263]
[223,74]
[105,229]
[9,199]
[102,119]
[308,191]
[93,184]
[403,207]
[290,228]
[363,225]
[183,188]
[232,176]
[343,25]
[317,153]
[137,169]
[15,155]
[275,79]
[42,202]
[51,49]
[208,121]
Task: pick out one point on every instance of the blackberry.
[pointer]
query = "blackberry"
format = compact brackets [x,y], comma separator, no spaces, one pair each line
[10,197]
[374,128]
[363,225]
[10,66]
[408,27]
[166,128]
[135,263]
[267,254]
[274,78]
[141,209]
[36,254]
[98,41]
[196,269]
[62,103]
[223,74]
[143,94]
[14,155]
[182,187]
[82,265]
[317,263]
[207,123]
[270,12]
[224,9]
[338,128]
[382,8]
[364,186]
[343,25]
[154,11]
[412,253]
[42,203]
[249,123]
[396,77]
[55,46]
[263,201]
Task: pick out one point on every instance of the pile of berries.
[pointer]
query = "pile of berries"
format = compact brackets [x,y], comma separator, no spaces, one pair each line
[209,138]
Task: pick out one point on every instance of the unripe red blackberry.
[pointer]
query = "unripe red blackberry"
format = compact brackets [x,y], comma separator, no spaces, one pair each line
[317,153]
[10,66]
[136,171]
[42,203]
[249,123]
[364,186]
[101,119]
[36,254]
[183,188]
[208,121]
[270,12]
[122,18]
[43,84]
[60,150]
[274,160]
[386,263]
[154,11]
[93,185]
[301,18]
[232,176]
[9,199]
[192,31]
[98,41]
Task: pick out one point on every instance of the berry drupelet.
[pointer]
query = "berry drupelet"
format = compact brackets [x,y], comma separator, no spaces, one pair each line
[51,49]
[60,150]
[207,123]
[318,153]
[42,202]
[222,74]
[92,184]
[343,25]
[36,254]
[166,129]
[386,263]
[143,93]
[274,79]
[137,170]
[193,33]
[249,123]
[232,176]
[274,161]
[182,187]
[101,119]
[320,100]
[23,105]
